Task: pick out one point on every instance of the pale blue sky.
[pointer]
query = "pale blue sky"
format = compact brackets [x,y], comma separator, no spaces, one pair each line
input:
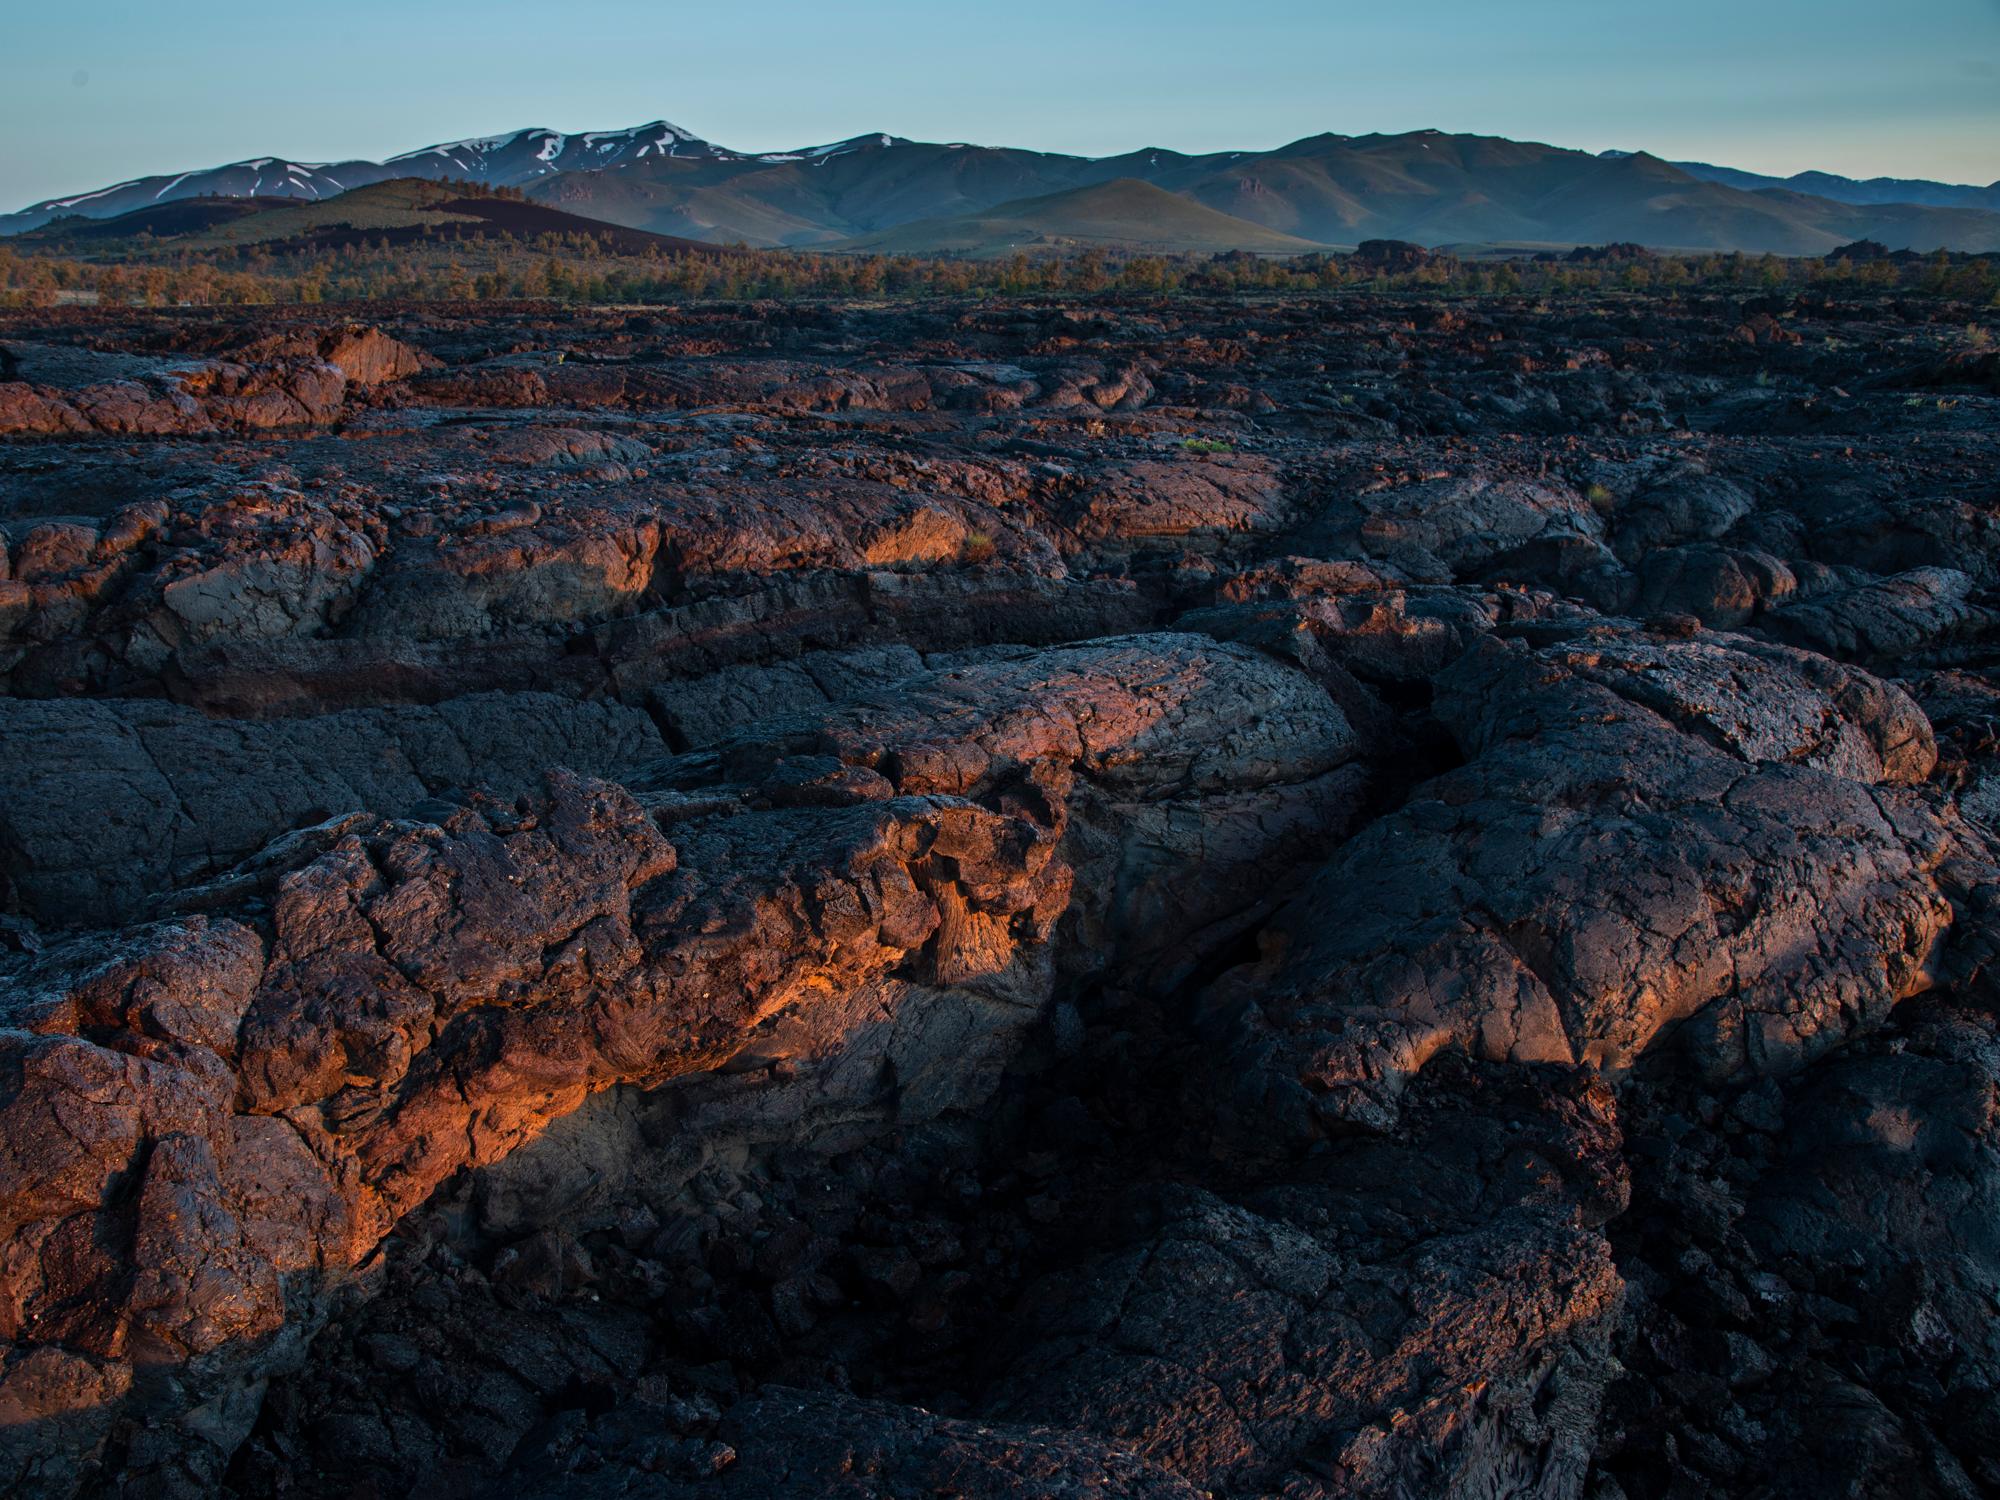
[97,90]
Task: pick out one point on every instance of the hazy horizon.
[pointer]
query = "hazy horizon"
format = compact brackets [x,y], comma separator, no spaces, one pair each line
[130,91]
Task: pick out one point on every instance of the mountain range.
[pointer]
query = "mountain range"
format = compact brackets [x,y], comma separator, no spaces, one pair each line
[1858,190]
[883,192]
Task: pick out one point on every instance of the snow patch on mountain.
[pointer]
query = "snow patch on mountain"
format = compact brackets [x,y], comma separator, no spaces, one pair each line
[89,197]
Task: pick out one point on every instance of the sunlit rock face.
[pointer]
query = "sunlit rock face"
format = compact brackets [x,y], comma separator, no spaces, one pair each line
[1311,899]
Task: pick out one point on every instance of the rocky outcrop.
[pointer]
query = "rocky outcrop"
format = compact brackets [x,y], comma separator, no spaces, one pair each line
[1320,897]
[424,998]
[178,798]
[1884,618]
[285,382]
[1697,844]
[1176,771]
[1293,1344]
[364,356]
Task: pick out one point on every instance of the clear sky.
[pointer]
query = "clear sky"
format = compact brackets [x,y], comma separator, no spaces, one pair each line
[92,91]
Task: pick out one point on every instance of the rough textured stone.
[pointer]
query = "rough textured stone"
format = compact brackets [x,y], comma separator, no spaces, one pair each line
[1307,897]
[177,797]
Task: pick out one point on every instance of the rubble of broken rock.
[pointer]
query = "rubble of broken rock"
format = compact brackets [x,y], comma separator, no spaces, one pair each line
[1317,898]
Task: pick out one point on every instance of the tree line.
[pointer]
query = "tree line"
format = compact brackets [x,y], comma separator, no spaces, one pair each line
[585,269]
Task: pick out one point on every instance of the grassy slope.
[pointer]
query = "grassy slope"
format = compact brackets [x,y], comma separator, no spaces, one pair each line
[401,211]
[1124,212]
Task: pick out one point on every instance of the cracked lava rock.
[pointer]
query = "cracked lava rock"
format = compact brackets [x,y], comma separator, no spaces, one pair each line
[1149,899]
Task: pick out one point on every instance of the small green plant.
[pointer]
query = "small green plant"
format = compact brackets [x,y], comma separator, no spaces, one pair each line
[1206,445]
[1600,499]
[977,548]
[1977,338]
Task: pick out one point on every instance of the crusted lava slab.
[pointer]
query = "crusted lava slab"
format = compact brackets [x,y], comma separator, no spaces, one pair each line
[1334,897]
